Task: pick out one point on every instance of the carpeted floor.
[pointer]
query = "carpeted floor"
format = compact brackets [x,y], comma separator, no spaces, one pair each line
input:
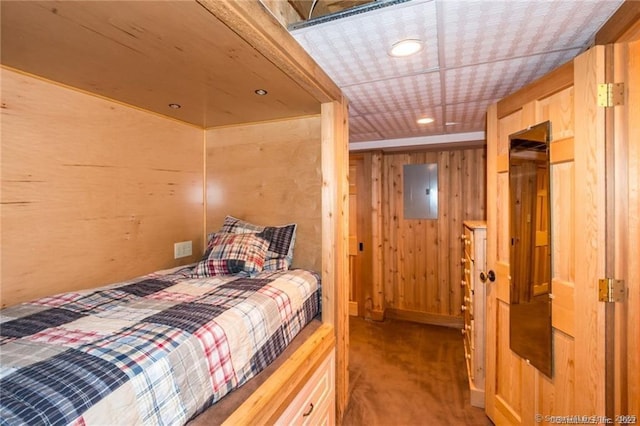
[403,373]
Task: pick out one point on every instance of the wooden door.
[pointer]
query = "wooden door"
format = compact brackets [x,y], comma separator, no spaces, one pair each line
[365,298]
[517,393]
[355,164]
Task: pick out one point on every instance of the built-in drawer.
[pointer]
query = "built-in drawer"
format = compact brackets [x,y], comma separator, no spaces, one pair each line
[315,403]
[473,263]
[468,354]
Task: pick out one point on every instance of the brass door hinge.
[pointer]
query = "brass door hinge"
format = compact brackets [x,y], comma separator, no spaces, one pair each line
[610,94]
[610,290]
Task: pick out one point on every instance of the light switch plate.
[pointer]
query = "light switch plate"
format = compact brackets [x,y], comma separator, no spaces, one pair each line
[182,249]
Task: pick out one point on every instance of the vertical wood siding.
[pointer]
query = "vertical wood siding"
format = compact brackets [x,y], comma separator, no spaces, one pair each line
[421,258]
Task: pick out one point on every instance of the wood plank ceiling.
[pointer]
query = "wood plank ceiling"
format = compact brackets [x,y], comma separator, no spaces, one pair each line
[150,55]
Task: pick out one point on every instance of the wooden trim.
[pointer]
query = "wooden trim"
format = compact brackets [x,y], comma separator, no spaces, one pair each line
[503,281]
[361,227]
[353,309]
[284,12]
[633,34]
[341,141]
[491,310]
[627,194]
[249,19]
[503,163]
[562,307]
[270,400]
[633,231]
[335,238]
[624,232]
[610,241]
[377,315]
[530,380]
[425,318]
[624,19]
[561,151]
[555,81]
[619,69]
[377,312]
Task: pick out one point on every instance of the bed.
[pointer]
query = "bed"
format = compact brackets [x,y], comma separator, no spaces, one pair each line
[161,348]
[101,177]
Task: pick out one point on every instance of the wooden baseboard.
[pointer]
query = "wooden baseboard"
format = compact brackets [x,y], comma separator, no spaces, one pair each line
[425,318]
[476,394]
[353,309]
[377,315]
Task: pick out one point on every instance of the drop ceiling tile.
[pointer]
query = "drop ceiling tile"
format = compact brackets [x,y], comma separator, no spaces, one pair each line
[354,50]
[360,124]
[488,49]
[364,137]
[416,92]
[477,31]
[412,133]
[400,124]
[353,108]
[466,127]
[468,117]
[498,79]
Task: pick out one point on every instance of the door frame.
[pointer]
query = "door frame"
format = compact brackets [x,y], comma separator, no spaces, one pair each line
[623,239]
[360,163]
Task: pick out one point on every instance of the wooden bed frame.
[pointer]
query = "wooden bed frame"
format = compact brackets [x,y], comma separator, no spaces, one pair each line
[308,118]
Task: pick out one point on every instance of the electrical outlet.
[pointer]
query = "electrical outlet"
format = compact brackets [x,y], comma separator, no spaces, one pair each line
[182,249]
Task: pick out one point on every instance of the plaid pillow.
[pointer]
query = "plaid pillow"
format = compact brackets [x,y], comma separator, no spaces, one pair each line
[281,240]
[229,254]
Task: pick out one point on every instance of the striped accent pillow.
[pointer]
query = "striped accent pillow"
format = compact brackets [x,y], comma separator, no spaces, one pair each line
[281,240]
[229,254]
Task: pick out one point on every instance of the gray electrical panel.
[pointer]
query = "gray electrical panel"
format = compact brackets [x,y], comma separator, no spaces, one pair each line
[420,191]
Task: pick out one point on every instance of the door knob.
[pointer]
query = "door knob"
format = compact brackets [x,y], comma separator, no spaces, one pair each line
[491,276]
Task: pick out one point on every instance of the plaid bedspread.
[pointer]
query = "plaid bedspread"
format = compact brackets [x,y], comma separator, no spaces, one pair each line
[156,350]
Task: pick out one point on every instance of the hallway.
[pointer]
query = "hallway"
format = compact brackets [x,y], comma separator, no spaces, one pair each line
[404,373]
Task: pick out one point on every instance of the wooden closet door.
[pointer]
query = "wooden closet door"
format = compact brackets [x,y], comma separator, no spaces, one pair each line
[516,392]
[354,271]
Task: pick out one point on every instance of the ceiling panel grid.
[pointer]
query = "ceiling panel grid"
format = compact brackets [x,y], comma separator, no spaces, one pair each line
[475,53]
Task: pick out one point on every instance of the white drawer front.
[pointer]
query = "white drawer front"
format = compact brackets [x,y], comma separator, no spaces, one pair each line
[315,404]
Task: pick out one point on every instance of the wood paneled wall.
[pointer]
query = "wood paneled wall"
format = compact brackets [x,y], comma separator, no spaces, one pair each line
[420,262]
[269,174]
[292,171]
[93,191]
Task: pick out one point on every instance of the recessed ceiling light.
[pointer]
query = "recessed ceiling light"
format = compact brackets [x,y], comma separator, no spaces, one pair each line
[450,123]
[406,47]
[425,120]
[175,106]
[260,92]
